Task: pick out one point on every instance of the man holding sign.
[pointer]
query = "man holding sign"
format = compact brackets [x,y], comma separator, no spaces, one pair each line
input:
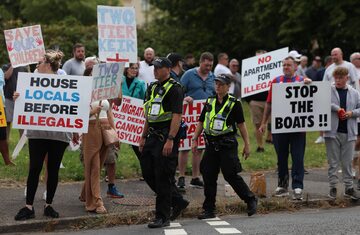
[283,141]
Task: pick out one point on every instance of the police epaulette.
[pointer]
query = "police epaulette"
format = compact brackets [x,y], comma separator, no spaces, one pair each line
[174,82]
[231,98]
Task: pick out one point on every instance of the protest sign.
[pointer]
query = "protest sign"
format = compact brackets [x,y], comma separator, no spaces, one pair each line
[257,72]
[2,113]
[191,114]
[25,45]
[52,102]
[300,107]
[129,120]
[107,81]
[117,34]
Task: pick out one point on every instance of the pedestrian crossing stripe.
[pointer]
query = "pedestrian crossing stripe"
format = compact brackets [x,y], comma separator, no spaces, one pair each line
[228,231]
[174,225]
[217,223]
[175,232]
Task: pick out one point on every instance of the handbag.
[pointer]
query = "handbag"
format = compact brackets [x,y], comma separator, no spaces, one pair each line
[109,135]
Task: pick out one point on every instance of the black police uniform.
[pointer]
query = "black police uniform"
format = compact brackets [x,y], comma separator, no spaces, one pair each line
[158,170]
[221,152]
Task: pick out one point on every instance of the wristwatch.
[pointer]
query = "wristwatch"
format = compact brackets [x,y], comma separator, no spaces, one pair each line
[170,137]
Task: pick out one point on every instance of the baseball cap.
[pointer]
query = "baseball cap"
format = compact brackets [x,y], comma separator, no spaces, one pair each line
[174,58]
[295,55]
[224,78]
[162,62]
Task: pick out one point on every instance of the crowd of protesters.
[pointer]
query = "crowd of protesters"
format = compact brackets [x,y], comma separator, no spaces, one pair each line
[164,83]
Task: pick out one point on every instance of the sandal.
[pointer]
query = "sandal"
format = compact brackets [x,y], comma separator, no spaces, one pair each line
[101,210]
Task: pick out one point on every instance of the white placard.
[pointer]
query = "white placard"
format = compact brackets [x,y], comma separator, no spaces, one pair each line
[257,72]
[107,81]
[117,39]
[53,102]
[24,45]
[299,107]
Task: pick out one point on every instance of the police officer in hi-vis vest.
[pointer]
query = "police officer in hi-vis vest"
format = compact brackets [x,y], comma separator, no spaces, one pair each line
[159,143]
[219,118]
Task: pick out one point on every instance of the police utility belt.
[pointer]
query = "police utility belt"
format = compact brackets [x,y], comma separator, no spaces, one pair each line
[220,142]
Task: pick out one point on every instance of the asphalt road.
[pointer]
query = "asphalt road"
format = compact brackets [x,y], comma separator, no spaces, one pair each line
[311,221]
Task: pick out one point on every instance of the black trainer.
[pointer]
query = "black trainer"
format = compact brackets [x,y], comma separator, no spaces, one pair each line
[25,213]
[351,193]
[196,183]
[251,206]
[158,223]
[181,184]
[332,193]
[177,209]
[206,215]
[50,212]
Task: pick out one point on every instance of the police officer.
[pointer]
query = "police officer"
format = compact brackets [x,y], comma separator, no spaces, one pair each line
[159,143]
[219,118]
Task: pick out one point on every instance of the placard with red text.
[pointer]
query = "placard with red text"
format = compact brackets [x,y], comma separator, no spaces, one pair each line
[257,72]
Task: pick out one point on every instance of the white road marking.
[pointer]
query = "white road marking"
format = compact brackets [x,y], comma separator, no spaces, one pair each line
[174,225]
[217,223]
[175,232]
[228,231]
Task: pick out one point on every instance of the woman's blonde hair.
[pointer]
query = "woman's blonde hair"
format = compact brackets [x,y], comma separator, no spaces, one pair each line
[54,57]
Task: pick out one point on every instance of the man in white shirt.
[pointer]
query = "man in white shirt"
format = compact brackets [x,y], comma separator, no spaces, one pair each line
[221,68]
[338,61]
[146,69]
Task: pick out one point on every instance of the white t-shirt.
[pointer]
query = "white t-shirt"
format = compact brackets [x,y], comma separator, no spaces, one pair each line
[222,69]
[146,73]
[105,105]
[353,77]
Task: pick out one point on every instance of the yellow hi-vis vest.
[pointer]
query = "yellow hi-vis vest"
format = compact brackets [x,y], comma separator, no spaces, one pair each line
[154,110]
[215,123]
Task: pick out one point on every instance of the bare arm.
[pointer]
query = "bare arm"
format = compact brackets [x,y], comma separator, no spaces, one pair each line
[267,112]
[174,128]
[194,141]
[245,136]
[9,72]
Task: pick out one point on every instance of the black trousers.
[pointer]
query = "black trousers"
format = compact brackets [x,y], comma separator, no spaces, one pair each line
[159,173]
[226,159]
[38,148]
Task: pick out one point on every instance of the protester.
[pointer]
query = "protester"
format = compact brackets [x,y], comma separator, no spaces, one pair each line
[340,140]
[257,105]
[146,70]
[11,78]
[314,68]
[159,143]
[302,66]
[355,60]
[234,68]
[42,143]
[189,62]
[95,153]
[176,66]
[199,85]
[338,61]
[222,68]
[134,87]
[219,118]
[4,146]
[76,65]
[295,141]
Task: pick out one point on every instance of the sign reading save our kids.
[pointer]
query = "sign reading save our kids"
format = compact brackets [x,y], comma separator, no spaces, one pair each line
[52,102]
[298,107]
[117,34]
[107,81]
[25,45]
[257,72]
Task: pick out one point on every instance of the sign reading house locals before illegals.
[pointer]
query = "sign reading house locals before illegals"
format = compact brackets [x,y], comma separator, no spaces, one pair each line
[299,107]
[24,45]
[107,80]
[257,72]
[53,102]
[117,39]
